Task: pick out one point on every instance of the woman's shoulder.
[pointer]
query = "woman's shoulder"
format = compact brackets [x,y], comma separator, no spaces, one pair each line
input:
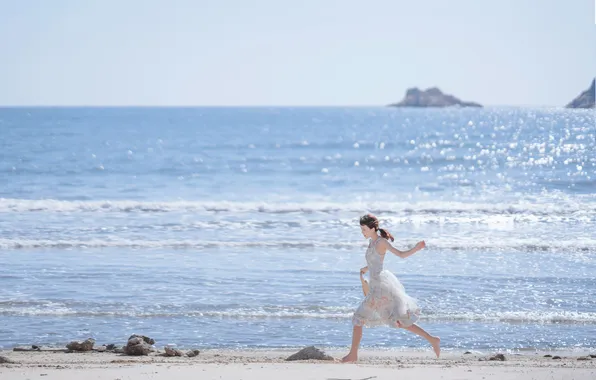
[381,245]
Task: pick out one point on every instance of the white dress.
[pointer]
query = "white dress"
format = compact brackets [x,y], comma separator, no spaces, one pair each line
[387,302]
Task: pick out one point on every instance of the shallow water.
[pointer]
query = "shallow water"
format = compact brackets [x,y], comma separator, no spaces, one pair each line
[238,227]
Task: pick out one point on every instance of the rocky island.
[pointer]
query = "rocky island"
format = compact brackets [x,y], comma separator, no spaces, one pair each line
[432,97]
[586,99]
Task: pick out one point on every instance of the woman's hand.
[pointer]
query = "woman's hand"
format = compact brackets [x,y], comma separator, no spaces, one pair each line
[420,245]
[363,270]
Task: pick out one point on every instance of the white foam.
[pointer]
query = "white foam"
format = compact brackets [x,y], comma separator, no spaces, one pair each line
[448,243]
[571,208]
[520,317]
[536,317]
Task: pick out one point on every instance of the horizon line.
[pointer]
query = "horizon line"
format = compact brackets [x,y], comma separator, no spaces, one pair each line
[5,106]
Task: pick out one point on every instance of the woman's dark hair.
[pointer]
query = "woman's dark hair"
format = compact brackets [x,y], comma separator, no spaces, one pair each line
[372,222]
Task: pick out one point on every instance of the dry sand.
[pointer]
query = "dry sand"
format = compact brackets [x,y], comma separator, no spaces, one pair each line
[264,365]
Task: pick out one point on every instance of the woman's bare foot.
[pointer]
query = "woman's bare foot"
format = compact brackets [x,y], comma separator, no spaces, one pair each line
[436,343]
[350,358]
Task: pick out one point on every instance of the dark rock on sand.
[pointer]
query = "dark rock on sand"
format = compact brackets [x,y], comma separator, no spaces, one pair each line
[467,353]
[170,351]
[136,346]
[498,357]
[146,339]
[586,99]
[432,97]
[309,353]
[87,345]
[584,358]
[101,349]
[193,353]
[548,356]
[556,357]
[4,359]
[27,349]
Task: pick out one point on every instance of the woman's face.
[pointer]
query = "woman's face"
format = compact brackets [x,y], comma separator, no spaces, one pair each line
[367,232]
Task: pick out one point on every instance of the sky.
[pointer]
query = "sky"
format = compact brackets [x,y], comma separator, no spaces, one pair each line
[300,53]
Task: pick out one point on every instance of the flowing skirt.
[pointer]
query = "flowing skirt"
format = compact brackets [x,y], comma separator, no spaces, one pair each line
[387,304]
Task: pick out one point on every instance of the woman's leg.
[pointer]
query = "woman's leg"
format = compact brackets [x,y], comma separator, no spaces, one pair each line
[352,356]
[435,341]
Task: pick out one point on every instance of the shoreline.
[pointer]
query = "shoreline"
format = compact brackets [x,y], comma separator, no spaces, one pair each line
[264,351]
[270,363]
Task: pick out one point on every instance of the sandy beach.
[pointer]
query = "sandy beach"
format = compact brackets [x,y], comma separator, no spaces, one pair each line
[249,365]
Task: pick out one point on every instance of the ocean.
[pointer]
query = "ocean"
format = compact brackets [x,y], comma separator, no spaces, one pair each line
[238,227]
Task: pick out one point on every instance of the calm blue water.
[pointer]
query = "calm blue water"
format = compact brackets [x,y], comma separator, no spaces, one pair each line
[238,227]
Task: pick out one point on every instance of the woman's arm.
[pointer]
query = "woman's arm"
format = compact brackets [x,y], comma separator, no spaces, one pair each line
[386,246]
[364,284]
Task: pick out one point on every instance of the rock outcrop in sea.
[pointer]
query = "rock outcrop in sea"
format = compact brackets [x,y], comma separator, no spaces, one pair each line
[432,97]
[586,99]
